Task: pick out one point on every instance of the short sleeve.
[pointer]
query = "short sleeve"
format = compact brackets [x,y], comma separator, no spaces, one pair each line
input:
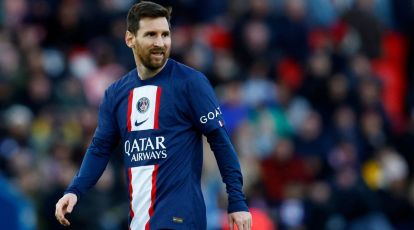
[205,110]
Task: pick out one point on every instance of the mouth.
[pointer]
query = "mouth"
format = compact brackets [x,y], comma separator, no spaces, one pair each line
[157,53]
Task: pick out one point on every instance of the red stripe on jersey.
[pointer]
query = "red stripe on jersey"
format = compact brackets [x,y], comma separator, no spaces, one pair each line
[131,212]
[157,108]
[130,98]
[153,195]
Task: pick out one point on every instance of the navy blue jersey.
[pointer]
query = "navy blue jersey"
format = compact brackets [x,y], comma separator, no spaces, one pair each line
[160,122]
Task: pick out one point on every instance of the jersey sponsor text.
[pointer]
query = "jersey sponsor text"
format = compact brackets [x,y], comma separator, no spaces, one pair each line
[146,148]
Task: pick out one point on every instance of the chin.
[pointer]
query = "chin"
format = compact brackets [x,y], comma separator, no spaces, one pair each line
[158,64]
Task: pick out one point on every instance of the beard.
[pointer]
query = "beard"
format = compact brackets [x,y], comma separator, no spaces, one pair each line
[149,61]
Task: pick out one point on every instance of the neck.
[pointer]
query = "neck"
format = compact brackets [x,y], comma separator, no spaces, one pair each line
[144,73]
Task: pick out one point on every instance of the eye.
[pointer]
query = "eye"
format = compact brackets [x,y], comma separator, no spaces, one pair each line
[165,35]
[150,34]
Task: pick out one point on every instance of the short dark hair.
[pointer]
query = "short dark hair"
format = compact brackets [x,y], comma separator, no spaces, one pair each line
[145,9]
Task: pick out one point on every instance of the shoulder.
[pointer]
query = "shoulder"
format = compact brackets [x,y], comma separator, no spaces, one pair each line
[117,85]
[187,75]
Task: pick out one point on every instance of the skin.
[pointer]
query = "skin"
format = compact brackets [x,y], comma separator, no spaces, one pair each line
[151,46]
[64,206]
[243,220]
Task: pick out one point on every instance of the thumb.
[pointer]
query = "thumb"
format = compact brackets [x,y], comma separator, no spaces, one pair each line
[71,204]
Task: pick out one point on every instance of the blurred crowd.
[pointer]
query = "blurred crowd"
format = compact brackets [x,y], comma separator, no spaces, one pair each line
[318,97]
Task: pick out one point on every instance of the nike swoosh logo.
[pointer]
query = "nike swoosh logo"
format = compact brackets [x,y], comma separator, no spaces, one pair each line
[140,123]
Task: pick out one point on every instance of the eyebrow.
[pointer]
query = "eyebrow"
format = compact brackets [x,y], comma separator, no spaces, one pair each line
[155,31]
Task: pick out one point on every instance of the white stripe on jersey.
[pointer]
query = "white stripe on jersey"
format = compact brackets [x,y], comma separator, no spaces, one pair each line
[142,185]
[145,117]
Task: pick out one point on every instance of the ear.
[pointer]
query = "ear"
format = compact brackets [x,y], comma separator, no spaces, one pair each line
[129,39]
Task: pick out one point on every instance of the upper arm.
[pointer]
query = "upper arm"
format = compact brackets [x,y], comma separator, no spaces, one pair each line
[203,105]
[107,128]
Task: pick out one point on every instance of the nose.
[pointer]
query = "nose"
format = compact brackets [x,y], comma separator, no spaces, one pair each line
[159,41]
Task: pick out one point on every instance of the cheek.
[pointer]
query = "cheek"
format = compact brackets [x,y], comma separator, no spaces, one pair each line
[168,43]
[167,47]
[140,48]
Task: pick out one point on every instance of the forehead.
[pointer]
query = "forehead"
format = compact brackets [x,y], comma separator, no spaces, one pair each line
[153,24]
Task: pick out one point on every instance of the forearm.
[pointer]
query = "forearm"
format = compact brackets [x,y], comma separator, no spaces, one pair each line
[229,168]
[93,165]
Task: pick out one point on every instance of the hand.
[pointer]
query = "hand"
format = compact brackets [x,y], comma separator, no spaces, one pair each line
[243,220]
[63,206]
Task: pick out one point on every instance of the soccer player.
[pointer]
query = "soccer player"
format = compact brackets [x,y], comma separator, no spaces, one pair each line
[159,111]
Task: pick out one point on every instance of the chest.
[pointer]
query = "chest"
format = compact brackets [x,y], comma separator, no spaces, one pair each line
[148,108]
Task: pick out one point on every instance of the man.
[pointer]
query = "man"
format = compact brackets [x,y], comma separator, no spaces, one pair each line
[159,111]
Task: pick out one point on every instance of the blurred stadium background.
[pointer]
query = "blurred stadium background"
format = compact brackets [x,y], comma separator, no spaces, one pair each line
[317,95]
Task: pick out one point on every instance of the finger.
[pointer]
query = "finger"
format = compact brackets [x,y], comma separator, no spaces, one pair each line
[65,206]
[231,223]
[62,220]
[246,225]
[58,212]
[65,222]
[240,225]
[70,207]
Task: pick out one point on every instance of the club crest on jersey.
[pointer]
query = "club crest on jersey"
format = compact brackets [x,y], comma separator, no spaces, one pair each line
[143,104]
[143,108]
